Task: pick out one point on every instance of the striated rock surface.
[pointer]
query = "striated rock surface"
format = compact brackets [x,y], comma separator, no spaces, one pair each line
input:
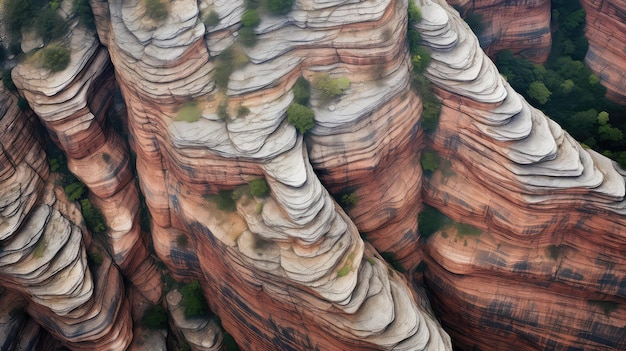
[43,256]
[291,269]
[606,31]
[72,105]
[546,270]
[520,26]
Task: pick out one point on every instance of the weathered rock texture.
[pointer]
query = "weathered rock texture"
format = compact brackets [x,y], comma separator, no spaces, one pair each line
[520,26]
[547,272]
[290,270]
[606,31]
[43,256]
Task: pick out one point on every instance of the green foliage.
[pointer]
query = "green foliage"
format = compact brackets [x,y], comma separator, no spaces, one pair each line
[371,261]
[40,248]
[154,318]
[189,112]
[475,22]
[96,223]
[567,86]
[258,187]
[430,220]
[415,15]
[250,18]
[539,92]
[49,25]
[242,111]
[229,60]
[430,161]
[83,11]
[222,73]
[22,103]
[55,58]
[464,229]
[225,201]
[212,19]
[554,251]
[420,58]
[247,37]
[222,111]
[20,13]
[94,258]
[106,157]
[328,87]
[7,80]
[193,300]
[421,267]
[390,258]
[414,38]
[74,191]
[181,240]
[343,271]
[156,9]
[301,91]
[430,115]
[279,7]
[300,117]
[350,200]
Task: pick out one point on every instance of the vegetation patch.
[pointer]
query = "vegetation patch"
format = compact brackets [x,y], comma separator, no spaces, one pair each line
[212,19]
[224,199]
[229,60]
[193,300]
[74,191]
[94,219]
[464,229]
[189,112]
[83,11]
[554,251]
[154,318]
[430,161]
[279,7]
[430,220]
[156,9]
[258,187]
[242,111]
[329,88]
[302,91]
[54,57]
[181,240]
[301,117]
[40,248]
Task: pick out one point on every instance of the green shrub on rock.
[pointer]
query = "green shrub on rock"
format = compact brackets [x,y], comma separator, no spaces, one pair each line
[279,7]
[258,187]
[193,300]
[55,58]
[301,91]
[301,117]
[156,9]
[328,87]
[250,18]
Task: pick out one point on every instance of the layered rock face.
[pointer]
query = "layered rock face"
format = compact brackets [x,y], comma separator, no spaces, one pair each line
[547,270]
[43,257]
[606,31]
[520,26]
[287,271]
[290,270]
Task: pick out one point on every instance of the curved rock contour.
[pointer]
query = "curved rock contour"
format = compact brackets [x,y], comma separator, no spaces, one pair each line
[545,267]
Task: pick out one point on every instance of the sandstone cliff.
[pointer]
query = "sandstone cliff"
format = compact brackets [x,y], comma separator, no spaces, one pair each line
[520,26]
[291,269]
[606,31]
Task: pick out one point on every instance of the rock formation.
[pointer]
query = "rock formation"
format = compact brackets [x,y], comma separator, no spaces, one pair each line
[606,31]
[43,257]
[289,268]
[546,272]
[520,26]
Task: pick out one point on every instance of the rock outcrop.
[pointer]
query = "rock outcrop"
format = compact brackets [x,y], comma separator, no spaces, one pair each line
[606,31]
[546,271]
[532,254]
[520,26]
[43,257]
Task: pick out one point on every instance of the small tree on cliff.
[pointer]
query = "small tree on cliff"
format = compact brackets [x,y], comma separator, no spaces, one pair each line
[301,117]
